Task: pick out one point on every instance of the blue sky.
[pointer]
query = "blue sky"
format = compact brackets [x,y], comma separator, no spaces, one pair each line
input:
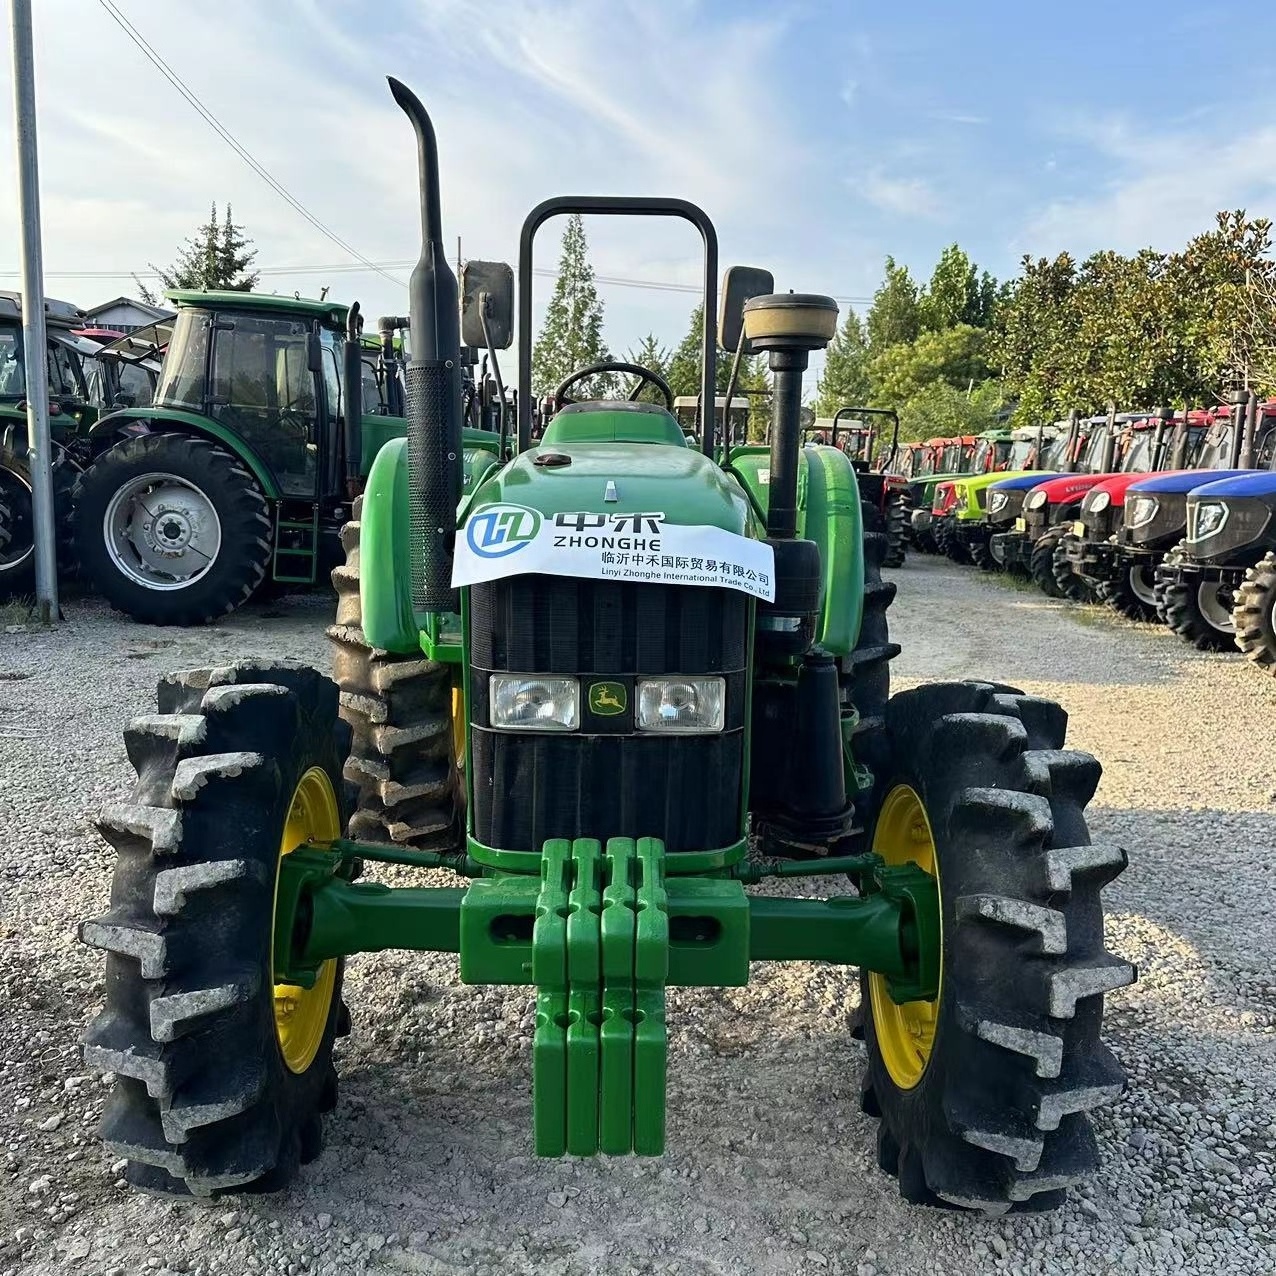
[820,135]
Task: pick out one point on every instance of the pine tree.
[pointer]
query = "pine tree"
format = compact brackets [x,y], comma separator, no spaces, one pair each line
[217,257]
[844,381]
[650,354]
[571,336]
[684,372]
[894,315]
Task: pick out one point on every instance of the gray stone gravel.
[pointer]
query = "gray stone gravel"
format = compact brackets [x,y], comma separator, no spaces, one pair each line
[771,1166]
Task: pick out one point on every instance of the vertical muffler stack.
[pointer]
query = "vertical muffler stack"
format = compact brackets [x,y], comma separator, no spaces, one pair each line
[434,385]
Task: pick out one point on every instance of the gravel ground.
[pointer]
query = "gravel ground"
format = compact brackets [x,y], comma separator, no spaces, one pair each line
[771,1167]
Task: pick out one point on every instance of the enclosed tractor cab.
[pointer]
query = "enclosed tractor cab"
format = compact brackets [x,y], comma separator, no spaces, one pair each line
[116,376]
[586,687]
[993,454]
[71,413]
[1118,562]
[976,505]
[934,456]
[241,471]
[968,454]
[1216,588]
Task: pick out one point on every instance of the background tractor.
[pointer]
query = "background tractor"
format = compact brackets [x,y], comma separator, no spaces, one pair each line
[961,504]
[71,413]
[966,454]
[589,683]
[241,470]
[1127,523]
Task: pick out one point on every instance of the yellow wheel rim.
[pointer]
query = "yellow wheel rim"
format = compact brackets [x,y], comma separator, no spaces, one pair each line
[301,1014]
[905,1033]
[458,728]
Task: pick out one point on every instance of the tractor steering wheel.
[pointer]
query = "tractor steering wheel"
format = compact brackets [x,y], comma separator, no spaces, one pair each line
[645,377]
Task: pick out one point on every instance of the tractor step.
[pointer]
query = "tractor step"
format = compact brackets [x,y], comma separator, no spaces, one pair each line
[296,564]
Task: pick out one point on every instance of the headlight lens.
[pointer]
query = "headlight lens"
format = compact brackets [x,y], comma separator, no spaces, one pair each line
[1097,502]
[1035,501]
[1141,511]
[1210,517]
[520,702]
[683,705]
[998,502]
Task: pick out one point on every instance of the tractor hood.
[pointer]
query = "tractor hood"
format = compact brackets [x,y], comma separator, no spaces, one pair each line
[1021,481]
[1179,481]
[977,482]
[1244,483]
[1116,486]
[1067,487]
[614,479]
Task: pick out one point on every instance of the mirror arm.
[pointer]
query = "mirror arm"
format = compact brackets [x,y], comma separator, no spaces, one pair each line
[726,411]
[496,375]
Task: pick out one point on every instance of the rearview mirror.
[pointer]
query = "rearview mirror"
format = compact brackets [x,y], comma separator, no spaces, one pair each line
[314,350]
[739,284]
[487,292]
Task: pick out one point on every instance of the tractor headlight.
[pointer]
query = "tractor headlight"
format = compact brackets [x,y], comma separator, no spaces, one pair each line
[1097,502]
[1141,511]
[686,705]
[1210,517]
[521,702]
[1035,500]
[998,502]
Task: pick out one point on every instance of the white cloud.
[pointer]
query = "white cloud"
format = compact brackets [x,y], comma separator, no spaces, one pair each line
[1165,186]
[905,196]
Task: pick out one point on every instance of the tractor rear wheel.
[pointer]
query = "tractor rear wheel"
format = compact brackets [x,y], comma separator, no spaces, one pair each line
[172,529]
[898,508]
[982,1093]
[17,527]
[1041,565]
[1199,612]
[1070,586]
[405,716]
[1132,593]
[1255,614]
[221,1074]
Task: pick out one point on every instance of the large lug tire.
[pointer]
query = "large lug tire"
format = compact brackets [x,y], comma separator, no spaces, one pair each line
[173,530]
[898,508]
[865,674]
[981,555]
[1068,584]
[946,539]
[1041,565]
[1199,613]
[1132,592]
[404,764]
[17,552]
[996,1119]
[221,1076]
[1254,614]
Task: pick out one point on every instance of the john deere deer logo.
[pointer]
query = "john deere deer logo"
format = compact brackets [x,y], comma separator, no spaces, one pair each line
[607,699]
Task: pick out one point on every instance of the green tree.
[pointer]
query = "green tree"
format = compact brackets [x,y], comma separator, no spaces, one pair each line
[571,335]
[844,381]
[957,293]
[684,373]
[894,315]
[650,354]
[942,409]
[216,257]
[955,357]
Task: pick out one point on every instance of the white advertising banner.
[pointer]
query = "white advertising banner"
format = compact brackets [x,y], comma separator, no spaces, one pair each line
[512,540]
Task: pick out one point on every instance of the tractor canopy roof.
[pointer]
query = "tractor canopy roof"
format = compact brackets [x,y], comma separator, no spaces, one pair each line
[57,314]
[330,312]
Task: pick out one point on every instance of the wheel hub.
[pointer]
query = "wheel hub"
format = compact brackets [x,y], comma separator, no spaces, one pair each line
[1214,600]
[162,531]
[1143,585]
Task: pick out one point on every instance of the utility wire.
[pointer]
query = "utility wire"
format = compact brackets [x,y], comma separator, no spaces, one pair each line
[220,129]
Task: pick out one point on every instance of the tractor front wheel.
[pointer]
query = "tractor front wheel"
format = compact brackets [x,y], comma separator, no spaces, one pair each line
[983,1092]
[221,1073]
[173,530]
[17,523]
[1132,592]
[982,556]
[1041,565]
[1069,585]
[404,713]
[1255,614]
[898,508]
[1200,610]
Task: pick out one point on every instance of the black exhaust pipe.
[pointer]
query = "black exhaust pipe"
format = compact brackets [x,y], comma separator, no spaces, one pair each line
[434,384]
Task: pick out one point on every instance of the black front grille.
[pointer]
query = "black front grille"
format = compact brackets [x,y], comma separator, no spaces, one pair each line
[606,780]
[1098,524]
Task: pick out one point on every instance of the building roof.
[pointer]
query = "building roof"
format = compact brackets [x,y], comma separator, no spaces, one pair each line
[155,312]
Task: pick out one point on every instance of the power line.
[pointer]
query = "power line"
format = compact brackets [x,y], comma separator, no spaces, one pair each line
[176,81]
[346,268]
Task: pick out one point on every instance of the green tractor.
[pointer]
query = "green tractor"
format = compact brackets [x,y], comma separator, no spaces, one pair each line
[240,473]
[594,681]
